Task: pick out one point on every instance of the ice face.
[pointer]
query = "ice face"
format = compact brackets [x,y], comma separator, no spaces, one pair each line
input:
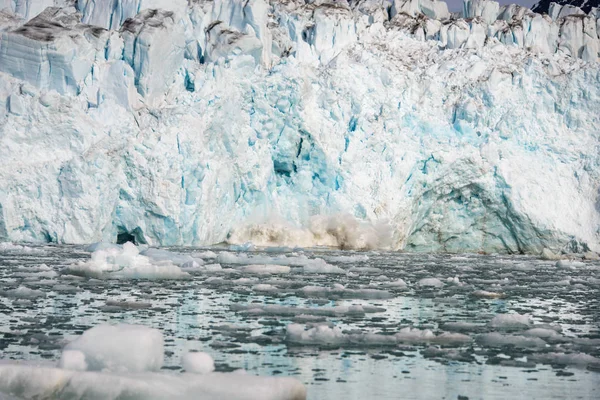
[294,124]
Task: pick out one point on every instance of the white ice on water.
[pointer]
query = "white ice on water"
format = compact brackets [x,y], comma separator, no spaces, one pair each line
[126,262]
[115,348]
[116,361]
[198,363]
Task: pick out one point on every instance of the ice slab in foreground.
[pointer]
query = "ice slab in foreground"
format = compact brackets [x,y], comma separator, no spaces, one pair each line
[28,382]
[118,348]
[126,355]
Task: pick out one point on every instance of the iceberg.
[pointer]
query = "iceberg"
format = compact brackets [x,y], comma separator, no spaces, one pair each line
[393,124]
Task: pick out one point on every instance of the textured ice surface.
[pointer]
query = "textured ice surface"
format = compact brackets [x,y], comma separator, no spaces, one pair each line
[343,336]
[128,263]
[198,363]
[116,348]
[28,382]
[362,124]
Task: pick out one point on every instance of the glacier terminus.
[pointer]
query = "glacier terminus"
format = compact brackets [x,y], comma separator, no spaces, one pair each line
[357,124]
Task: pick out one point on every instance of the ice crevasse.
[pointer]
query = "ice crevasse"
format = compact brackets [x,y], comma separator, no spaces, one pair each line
[359,124]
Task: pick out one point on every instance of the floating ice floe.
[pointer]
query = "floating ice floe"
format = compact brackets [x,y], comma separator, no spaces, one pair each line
[117,348]
[274,309]
[510,321]
[431,282]
[7,247]
[397,284]
[198,363]
[126,263]
[326,335]
[33,382]
[23,292]
[349,259]
[309,265]
[181,260]
[339,291]
[487,294]
[495,339]
[120,361]
[265,269]
[569,264]
[573,359]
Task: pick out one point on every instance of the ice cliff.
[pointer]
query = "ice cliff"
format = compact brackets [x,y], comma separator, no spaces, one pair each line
[358,124]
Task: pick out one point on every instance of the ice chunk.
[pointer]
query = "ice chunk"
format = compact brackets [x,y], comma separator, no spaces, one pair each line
[487,294]
[322,334]
[73,360]
[264,287]
[326,335]
[510,321]
[126,263]
[265,269]
[310,265]
[17,248]
[177,259]
[339,291]
[273,309]
[576,359]
[198,363]
[26,381]
[569,264]
[398,283]
[496,339]
[119,348]
[349,259]
[321,267]
[23,292]
[431,282]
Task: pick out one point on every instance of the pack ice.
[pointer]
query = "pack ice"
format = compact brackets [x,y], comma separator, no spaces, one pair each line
[358,124]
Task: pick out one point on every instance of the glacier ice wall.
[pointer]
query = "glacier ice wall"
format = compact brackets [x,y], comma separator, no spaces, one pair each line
[190,123]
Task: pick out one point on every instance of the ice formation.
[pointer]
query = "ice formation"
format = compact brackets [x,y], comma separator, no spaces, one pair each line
[198,363]
[117,348]
[116,361]
[128,263]
[358,124]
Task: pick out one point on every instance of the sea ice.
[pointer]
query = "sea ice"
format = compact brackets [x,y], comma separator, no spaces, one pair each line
[198,363]
[117,348]
[510,321]
[126,263]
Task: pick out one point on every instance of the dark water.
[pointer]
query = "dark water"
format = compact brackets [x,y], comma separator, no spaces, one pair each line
[554,355]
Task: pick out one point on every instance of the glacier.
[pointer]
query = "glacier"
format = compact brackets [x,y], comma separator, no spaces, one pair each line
[358,124]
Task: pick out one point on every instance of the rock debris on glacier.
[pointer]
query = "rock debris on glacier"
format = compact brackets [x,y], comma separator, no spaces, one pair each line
[358,124]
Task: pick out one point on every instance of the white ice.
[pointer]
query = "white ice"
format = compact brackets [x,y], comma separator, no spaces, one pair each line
[127,263]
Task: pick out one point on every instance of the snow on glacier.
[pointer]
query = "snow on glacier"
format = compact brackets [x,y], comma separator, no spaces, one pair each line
[293,124]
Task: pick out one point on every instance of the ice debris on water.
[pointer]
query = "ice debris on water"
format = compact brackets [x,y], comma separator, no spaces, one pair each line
[510,321]
[126,262]
[198,363]
[326,335]
[116,361]
[117,348]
